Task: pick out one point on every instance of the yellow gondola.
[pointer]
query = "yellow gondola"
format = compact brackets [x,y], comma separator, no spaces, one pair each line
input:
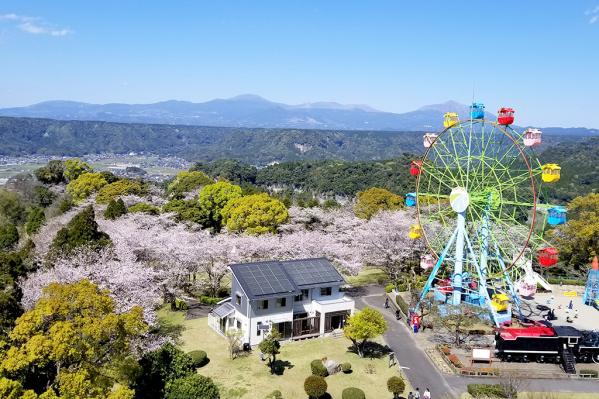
[450,119]
[500,302]
[551,172]
[415,231]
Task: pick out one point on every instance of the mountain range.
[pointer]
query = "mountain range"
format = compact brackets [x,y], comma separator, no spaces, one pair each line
[246,111]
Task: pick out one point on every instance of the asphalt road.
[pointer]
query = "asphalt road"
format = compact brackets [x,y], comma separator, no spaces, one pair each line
[423,374]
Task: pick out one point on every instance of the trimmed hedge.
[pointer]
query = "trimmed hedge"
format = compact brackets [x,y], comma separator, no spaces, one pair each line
[488,390]
[315,386]
[353,393]
[200,358]
[318,368]
[346,367]
[210,300]
[593,373]
[396,385]
[389,288]
[565,281]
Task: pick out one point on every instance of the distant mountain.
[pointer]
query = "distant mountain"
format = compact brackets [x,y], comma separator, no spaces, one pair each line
[256,112]
[244,111]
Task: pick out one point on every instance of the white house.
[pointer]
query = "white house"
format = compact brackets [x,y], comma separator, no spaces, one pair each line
[297,298]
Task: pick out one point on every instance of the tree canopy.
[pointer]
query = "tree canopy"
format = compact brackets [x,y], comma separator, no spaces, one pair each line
[254,214]
[52,173]
[73,168]
[118,188]
[85,185]
[82,230]
[185,182]
[213,199]
[73,344]
[364,325]
[374,200]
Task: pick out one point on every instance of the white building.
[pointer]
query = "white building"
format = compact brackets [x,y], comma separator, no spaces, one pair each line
[297,298]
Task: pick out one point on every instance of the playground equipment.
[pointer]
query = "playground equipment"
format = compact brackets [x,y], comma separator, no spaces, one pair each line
[410,199]
[428,139]
[532,137]
[478,204]
[415,167]
[551,172]
[591,290]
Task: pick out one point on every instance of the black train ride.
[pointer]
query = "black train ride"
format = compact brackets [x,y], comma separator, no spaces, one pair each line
[546,344]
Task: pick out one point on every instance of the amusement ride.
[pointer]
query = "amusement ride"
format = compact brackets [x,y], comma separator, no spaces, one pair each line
[482,213]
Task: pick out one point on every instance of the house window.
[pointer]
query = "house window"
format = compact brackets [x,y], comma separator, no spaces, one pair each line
[281,302]
[258,330]
[303,296]
[238,299]
[239,324]
[326,291]
[263,304]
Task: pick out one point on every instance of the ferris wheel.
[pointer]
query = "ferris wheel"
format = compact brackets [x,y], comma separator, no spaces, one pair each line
[478,200]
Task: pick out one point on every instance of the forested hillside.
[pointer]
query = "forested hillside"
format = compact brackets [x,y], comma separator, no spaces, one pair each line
[28,136]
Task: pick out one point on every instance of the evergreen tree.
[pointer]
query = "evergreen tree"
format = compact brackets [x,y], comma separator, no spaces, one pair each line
[9,236]
[82,230]
[115,209]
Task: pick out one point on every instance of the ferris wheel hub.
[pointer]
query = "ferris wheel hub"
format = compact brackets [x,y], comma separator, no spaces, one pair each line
[459,199]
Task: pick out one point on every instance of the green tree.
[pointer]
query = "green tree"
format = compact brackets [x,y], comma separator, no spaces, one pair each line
[158,368]
[185,182]
[364,325]
[12,268]
[228,169]
[85,185]
[270,346]
[456,319]
[578,239]
[43,196]
[254,214]
[115,209]
[374,200]
[73,344]
[396,386]
[118,188]
[144,207]
[82,230]
[213,199]
[11,207]
[188,210]
[52,173]
[315,386]
[193,386]
[35,219]
[73,168]
[9,236]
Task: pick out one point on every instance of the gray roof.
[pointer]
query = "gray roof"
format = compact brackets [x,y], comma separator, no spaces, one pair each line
[224,310]
[263,280]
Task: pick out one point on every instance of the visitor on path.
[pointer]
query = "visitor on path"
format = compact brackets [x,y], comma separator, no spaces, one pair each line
[427,394]
[417,393]
[410,395]
[570,305]
[387,303]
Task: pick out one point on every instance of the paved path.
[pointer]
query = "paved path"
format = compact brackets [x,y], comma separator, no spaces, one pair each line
[422,373]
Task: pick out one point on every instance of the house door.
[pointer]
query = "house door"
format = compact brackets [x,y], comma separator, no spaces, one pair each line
[335,320]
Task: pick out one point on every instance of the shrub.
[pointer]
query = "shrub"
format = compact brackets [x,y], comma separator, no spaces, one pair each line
[9,236]
[145,208]
[115,209]
[592,373]
[180,304]
[200,358]
[191,387]
[65,204]
[318,368]
[118,188]
[315,386]
[445,350]
[389,288]
[85,185]
[346,367]
[396,385]
[209,300]
[35,219]
[402,304]
[487,390]
[274,395]
[455,361]
[353,393]
[82,230]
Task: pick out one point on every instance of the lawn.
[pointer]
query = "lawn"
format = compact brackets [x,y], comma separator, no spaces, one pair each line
[249,378]
[369,275]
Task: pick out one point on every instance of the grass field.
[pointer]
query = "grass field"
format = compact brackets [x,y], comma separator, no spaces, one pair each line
[369,275]
[249,378]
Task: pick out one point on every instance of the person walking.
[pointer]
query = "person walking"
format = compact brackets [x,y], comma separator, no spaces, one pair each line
[387,303]
[417,393]
[410,395]
[427,394]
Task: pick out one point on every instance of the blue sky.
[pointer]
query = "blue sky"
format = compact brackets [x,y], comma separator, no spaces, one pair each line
[541,57]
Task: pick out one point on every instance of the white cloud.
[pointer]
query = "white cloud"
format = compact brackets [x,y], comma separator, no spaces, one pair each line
[34,25]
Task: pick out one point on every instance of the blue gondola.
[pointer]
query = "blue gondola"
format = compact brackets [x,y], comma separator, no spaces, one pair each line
[556,216]
[411,199]
[477,111]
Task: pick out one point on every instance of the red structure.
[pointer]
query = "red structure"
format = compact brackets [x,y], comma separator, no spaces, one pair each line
[415,167]
[537,331]
[505,116]
[548,256]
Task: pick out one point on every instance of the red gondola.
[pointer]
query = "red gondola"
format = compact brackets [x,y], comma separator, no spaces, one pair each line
[415,167]
[505,116]
[548,256]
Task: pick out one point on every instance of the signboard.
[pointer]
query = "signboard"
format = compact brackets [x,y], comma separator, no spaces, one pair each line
[481,355]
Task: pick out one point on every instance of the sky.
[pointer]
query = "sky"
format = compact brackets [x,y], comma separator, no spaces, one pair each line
[540,57]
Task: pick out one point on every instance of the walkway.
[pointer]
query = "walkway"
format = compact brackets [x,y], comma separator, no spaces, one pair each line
[423,374]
